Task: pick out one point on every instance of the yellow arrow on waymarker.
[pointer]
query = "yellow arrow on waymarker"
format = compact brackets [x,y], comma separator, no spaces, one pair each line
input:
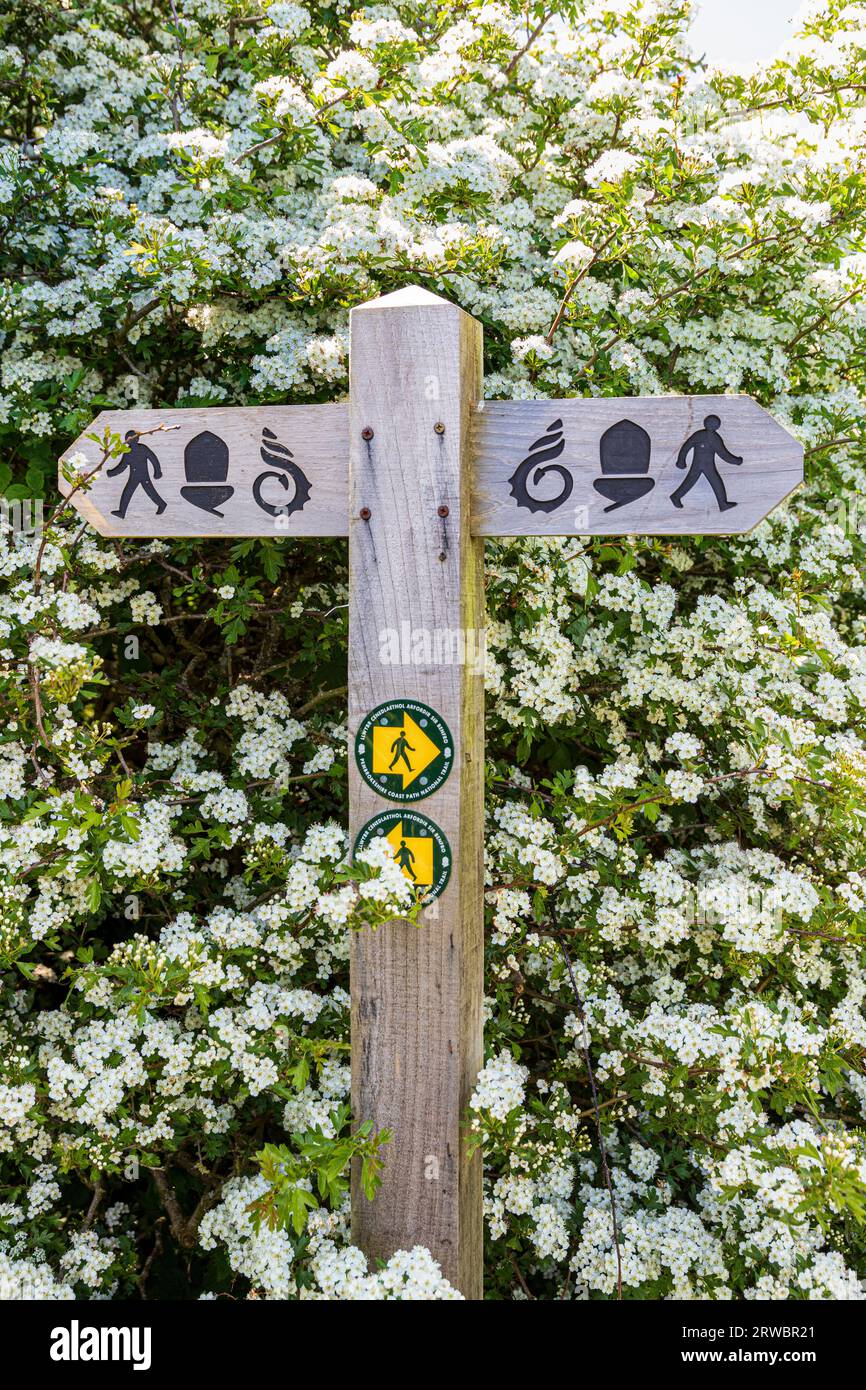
[414,854]
[401,745]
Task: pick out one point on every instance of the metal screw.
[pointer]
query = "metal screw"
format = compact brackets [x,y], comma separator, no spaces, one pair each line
[365,512]
[439,427]
[366,433]
[443,511]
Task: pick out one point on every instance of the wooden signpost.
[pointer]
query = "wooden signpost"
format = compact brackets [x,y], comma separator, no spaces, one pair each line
[416,469]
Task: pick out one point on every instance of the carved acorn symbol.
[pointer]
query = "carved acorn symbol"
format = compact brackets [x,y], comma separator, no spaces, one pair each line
[624,452]
[206,465]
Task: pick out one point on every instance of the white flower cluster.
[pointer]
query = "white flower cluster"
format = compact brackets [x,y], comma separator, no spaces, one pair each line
[499,1088]
[339,1271]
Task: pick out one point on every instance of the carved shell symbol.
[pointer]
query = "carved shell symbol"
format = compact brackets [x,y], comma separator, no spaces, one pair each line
[549,446]
[281,457]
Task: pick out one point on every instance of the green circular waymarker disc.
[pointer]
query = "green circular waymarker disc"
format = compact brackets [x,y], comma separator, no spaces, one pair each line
[418,845]
[404,750]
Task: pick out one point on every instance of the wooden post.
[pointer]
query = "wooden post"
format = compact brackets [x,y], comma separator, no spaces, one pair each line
[416,633]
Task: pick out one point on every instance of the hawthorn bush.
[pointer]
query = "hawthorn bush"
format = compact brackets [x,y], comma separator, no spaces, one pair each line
[195,194]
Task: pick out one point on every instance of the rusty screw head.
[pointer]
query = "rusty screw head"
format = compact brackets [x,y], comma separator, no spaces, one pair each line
[443,511]
[439,427]
[365,514]
[366,432]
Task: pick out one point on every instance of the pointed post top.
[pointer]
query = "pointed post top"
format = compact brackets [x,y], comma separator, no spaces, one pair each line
[409,297]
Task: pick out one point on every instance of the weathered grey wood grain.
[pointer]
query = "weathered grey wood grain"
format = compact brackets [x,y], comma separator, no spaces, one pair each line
[417,994]
[316,435]
[504,431]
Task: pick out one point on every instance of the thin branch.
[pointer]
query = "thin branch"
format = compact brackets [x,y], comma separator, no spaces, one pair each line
[692,281]
[132,319]
[832,444]
[262,145]
[240,21]
[570,288]
[167,1196]
[784,101]
[32,671]
[529,42]
[707,781]
[38,708]
[822,318]
[321,697]
[520,1279]
[95,1203]
[66,501]
[176,98]
[280,134]
[157,1250]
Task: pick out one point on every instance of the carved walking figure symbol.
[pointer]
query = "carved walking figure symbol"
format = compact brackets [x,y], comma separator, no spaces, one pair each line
[401,744]
[549,446]
[405,858]
[275,453]
[706,446]
[139,459]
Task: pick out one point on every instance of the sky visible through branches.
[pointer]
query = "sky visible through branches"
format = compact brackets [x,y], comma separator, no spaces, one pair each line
[735,32]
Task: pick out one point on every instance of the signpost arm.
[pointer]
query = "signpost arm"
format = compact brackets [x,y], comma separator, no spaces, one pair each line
[416,632]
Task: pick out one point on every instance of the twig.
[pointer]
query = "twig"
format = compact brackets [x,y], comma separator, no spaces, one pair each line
[520,1279]
[176,98]
[529,42]
[832,444]
[32,672]
[572,286]
[322,696]
[691,282]
[157,1250]
[129,323]
[38,708]
[95,1203]
[822,318]
[821,92]
[280,134]
[756,771]
[262,145]
[169,1201]
[76,487]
